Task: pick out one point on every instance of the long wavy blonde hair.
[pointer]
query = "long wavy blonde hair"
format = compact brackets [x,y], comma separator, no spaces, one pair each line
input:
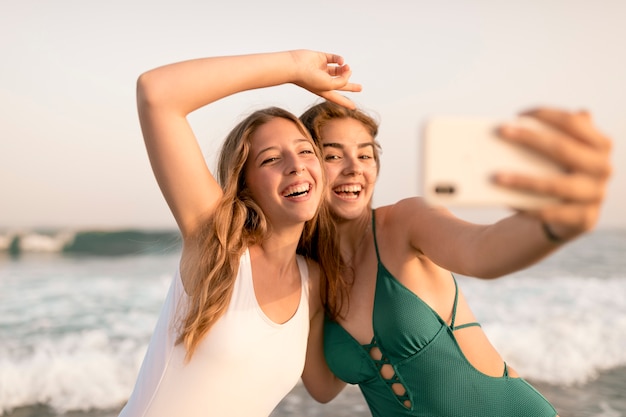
[237,223]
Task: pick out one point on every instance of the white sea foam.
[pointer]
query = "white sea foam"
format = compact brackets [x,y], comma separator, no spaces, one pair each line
[73,331]
[559,330]
[38,242]
[78,372]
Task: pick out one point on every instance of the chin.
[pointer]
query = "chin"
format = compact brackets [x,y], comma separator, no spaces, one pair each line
[341,213]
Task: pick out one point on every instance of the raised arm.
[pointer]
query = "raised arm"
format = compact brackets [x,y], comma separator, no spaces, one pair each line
[525,237]
[166,95]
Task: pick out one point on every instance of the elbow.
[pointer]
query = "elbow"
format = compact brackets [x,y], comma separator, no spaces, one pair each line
[147,90]
[143,90]
[324,392]
[323,397]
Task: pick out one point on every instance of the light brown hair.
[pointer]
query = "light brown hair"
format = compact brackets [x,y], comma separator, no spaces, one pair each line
[335,293]
[237,223]
[318,115]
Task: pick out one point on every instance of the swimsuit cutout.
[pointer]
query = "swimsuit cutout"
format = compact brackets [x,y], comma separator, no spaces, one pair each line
[432,375]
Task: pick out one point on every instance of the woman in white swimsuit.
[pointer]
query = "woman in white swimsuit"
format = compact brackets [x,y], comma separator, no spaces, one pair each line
[232,335]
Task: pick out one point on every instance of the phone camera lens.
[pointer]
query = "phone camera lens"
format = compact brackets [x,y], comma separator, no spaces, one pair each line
[445,189]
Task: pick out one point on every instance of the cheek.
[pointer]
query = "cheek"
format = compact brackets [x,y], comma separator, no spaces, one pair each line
[332,171]
[315,169]
[254,185]
[371,174]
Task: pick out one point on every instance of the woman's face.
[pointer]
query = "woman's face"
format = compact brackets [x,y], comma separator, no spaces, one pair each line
[348,153]
[283,173]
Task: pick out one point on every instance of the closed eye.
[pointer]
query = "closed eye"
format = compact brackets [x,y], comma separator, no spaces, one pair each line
[269,160]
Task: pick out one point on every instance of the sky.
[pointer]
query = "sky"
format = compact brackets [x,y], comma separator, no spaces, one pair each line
[71,151]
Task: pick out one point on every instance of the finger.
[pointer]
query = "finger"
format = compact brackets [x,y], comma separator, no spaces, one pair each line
[341,80]
[339,72]
[571,188]
[338,99]
[334,70]
[576,124]
[334,59]
[352,87]
[561,148]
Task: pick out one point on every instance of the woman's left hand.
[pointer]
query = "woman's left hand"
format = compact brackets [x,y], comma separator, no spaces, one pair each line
[573,142]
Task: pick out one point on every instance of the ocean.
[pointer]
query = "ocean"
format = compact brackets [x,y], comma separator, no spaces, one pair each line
[77,310]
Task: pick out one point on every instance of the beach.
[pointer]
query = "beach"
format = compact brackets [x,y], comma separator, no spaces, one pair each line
[77,309]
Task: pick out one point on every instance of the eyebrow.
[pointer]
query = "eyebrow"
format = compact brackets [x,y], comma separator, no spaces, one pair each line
[271,148]
[340,146]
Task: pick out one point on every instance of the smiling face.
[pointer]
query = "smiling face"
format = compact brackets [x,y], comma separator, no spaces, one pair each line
[283,174]
[349,160]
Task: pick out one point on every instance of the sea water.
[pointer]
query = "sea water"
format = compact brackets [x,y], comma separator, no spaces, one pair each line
[77,311]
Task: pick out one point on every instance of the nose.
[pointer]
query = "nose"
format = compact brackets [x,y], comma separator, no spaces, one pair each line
[352,167]
[295,166]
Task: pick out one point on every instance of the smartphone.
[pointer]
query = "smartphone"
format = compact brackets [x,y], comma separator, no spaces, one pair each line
[460,156]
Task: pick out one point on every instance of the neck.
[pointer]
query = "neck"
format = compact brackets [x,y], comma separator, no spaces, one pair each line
[280,246]
[353,233]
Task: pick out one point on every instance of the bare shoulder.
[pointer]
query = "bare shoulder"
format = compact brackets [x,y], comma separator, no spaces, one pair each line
[412,221]
[408,211]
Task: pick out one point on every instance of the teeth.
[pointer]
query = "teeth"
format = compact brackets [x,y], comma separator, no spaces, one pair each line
[354,188]
[297,190]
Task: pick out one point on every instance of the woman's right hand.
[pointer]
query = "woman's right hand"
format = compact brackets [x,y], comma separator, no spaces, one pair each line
[325,75]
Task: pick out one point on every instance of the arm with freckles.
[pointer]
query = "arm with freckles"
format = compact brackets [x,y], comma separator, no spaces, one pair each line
[521,239]
[166,95]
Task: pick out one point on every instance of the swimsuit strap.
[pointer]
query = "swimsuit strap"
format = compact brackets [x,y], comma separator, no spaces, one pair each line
[456,287]
[374,234]
[456,301]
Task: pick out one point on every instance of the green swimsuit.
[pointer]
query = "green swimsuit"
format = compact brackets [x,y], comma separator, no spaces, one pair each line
[428,363]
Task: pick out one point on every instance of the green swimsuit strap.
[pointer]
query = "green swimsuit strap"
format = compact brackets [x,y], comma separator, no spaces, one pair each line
[456,287]
[374,234]
[456,301]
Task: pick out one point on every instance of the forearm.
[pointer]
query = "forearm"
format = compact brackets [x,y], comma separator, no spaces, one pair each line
[509,245]
[573,142]
[186,86]
[317,377]
[166,95]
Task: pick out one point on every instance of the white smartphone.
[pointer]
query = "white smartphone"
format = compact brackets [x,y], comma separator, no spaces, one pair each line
[460,155]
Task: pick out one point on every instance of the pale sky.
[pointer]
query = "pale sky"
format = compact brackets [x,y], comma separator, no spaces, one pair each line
[72,155]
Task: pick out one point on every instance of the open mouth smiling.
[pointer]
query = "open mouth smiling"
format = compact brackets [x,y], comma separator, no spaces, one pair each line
[348,191]
[297,190]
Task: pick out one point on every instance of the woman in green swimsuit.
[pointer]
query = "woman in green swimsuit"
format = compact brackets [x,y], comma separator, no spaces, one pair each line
[400,328]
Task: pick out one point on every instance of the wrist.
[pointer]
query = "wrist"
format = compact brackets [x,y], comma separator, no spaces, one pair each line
[550,234]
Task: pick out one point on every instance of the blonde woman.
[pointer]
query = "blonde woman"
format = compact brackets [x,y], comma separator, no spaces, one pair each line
[232,335]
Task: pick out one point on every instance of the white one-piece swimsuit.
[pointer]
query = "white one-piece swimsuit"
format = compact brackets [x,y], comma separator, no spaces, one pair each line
[244,366]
